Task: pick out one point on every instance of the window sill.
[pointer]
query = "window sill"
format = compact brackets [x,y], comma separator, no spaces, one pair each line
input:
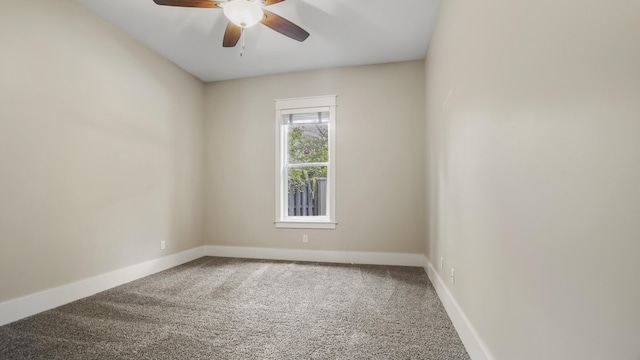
[297,224]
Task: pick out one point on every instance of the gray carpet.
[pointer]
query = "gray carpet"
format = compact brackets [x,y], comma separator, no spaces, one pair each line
[223,308]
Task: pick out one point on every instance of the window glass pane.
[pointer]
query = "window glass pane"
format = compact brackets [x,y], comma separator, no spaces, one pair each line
[307,191]
[308,143]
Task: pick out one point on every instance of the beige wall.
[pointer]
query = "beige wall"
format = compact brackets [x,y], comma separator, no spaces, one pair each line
[533,123]
[100,149]
[380,157]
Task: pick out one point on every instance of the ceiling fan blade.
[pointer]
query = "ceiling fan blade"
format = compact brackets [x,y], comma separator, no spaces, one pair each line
[271,2]
[284,26]
[190,3]
[231,35]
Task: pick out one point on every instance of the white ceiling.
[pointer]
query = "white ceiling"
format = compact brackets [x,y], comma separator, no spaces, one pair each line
[343,33]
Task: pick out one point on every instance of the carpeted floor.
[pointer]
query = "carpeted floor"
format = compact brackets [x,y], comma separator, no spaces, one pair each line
[223,308]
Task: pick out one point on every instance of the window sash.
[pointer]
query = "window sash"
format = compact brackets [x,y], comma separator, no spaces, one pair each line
[296,165]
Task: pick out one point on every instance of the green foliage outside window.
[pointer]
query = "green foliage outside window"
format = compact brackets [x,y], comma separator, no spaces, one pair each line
[308,144]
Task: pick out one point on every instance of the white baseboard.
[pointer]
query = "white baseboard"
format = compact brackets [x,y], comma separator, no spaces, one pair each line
[32,304]
[473,343]
[371,258]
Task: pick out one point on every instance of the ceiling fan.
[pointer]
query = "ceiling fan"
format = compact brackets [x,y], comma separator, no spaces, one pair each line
[243,14]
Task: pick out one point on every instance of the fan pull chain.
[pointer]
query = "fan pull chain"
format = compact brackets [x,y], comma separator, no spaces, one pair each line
[242,40]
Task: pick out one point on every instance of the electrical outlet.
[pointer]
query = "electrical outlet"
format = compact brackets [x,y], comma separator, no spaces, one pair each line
[441,263]
[305,238]
[163,244]
[453,276]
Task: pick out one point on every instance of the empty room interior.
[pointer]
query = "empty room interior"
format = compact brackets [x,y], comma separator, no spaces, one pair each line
[476,192]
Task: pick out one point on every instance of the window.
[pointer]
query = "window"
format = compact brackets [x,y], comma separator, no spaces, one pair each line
[305,162]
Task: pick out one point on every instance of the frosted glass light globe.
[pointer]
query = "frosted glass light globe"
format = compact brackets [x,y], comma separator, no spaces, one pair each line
[243,13]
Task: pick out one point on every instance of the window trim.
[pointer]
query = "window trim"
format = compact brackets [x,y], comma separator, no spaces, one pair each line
[302,105]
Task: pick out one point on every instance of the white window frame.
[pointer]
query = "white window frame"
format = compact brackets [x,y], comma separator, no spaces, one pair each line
[297,106]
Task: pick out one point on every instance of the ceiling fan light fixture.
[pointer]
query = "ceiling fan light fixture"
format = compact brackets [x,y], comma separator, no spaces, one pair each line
[244,13]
